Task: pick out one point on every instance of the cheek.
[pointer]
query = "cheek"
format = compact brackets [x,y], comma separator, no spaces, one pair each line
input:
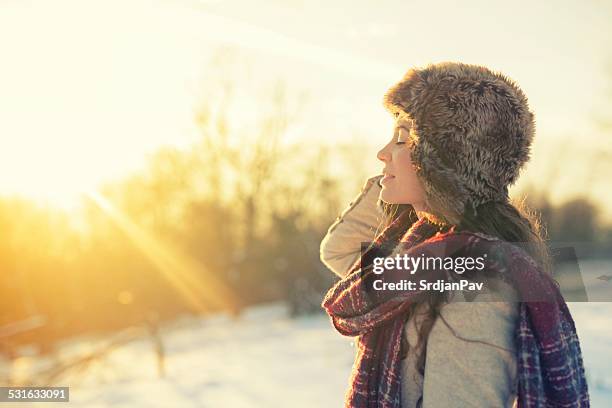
[406,185]
[405,170]
[403,162]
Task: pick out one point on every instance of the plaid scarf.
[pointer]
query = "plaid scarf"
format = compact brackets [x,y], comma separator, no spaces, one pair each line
[550,370]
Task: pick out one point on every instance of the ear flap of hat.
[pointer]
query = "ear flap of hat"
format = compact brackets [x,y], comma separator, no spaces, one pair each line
[445,193]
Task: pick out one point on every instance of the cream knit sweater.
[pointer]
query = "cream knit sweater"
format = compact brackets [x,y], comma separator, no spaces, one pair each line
[471,355]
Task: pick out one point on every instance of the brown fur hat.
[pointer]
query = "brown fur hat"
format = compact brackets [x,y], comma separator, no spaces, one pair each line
[472,131]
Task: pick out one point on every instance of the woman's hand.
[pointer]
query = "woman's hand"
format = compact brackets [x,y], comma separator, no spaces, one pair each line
[356,224]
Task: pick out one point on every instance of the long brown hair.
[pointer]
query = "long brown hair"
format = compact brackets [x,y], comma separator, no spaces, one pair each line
[511,221]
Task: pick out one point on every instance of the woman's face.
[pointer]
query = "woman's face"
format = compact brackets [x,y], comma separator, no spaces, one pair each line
[400,184]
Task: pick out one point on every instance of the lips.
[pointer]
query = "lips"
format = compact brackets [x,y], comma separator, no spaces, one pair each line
[386,177]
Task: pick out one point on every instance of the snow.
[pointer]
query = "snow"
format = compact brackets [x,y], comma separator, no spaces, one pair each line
[594,326]
[262,359]
[267,359]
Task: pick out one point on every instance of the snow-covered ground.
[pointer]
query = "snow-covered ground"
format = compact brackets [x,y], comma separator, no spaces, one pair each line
[266,359]
[594,326]
[262,359]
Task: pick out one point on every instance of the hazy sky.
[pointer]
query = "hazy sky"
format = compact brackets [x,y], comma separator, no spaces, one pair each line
[88,88]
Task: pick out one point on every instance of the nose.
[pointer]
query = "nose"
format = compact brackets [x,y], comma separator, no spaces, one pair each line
[383,154]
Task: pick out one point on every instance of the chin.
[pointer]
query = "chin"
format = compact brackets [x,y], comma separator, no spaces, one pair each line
[391,197]
[388,197]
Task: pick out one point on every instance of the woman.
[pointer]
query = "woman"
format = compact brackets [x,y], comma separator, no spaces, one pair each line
[462,134]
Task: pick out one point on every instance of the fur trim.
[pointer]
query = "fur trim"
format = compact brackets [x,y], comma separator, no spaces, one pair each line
[473,132]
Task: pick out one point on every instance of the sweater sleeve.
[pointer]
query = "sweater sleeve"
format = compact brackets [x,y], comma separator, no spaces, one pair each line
[476,373]
[341,246]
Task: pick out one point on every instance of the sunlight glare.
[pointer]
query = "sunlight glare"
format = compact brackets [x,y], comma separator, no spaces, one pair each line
[200,288]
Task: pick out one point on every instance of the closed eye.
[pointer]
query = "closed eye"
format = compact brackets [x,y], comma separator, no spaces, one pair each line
[403,136]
